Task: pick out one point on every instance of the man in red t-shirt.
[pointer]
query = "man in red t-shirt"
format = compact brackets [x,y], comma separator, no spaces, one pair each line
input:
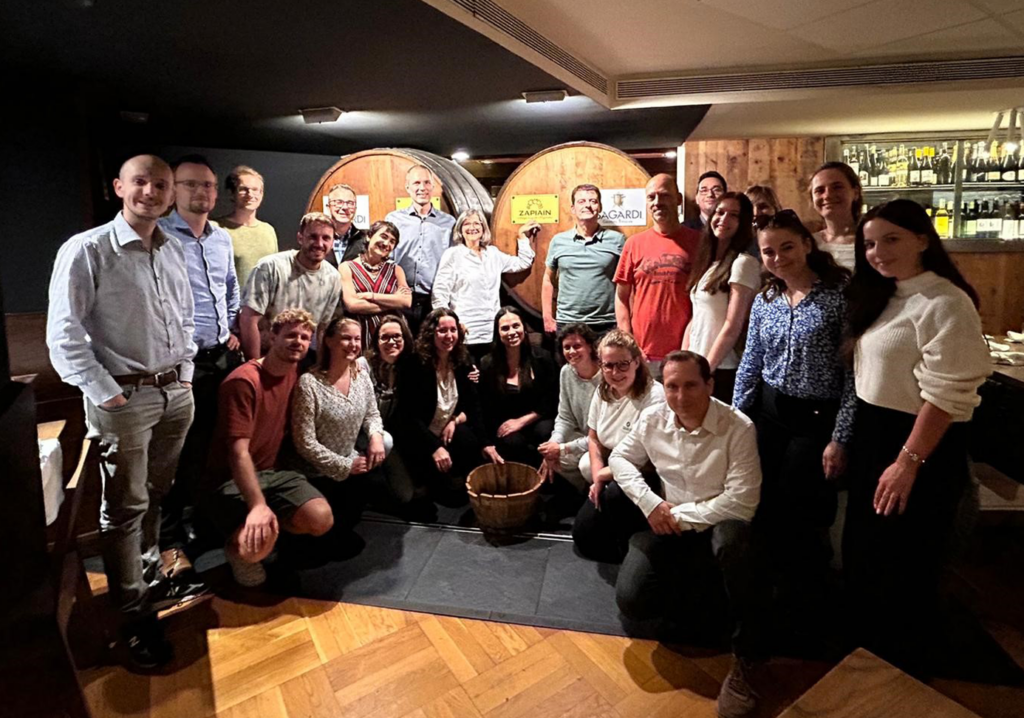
[651,299]
[258,501]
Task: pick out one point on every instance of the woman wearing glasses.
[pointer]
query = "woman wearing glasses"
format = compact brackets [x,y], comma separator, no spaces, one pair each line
[469,276]
[519,391]
[372,284]
[837,196]
[792,382]
[723,282]
[626,389]
[919,357]
[438,406]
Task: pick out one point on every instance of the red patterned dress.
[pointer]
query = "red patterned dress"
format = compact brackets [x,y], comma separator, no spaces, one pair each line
[382,281]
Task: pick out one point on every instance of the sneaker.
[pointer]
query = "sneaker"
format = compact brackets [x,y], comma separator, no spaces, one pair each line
[145,644]
[180,589]
[246,574]
[737,698]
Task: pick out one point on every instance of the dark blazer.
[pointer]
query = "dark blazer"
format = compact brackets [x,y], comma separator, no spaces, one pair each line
[356,244]
[694,223]
[541,396]
[417,402]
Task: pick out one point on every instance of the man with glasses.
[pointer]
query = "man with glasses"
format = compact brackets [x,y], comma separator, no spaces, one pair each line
[209,260]
[651,299]
[349,240]
[119,327]
[252,239]
[426,233]
[710,186]
[581,265]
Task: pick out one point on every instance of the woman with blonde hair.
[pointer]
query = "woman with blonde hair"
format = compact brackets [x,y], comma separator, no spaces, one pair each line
[837,196]
[468,278]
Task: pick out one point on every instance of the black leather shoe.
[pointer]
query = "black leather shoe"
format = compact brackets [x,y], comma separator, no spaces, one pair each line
[145,645]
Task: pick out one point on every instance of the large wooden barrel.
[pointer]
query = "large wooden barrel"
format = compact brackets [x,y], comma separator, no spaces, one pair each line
[380,174]
[555,171]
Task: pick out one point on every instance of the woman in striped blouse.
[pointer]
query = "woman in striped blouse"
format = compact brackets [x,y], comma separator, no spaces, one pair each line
[372,284]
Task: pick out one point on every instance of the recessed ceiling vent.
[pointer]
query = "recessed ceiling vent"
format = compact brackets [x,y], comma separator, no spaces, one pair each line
[896,74]
[501,19]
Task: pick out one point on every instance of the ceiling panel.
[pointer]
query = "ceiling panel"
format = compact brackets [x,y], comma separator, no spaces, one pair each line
[884,21]
[785,14]
[983,35]
[1014,21]
[997,7]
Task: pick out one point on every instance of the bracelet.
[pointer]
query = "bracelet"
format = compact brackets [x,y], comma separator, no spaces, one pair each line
[914,458]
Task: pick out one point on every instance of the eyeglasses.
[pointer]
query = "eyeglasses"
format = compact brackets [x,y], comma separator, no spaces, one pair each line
[342,202]
[620,365]
[478,225]
[391,339]
[713,191]
[249,190]
[193,185]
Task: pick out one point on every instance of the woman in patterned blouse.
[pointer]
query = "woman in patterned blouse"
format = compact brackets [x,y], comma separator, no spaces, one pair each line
[372,284]
[792,383]
[331,405]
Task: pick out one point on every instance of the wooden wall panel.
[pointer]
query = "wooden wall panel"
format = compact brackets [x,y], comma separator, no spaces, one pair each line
[998,277]
[784,163]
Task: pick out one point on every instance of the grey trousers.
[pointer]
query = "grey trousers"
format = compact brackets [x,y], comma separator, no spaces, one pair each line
[139,443]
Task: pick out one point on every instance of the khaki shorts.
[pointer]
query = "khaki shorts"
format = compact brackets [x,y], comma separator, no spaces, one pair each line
[285,492]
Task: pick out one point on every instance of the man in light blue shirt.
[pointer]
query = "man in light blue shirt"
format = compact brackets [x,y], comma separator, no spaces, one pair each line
[426,233]
[119,327]
[210,262]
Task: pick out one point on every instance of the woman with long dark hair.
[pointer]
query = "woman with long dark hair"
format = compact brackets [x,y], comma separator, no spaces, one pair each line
[331,406]
[793,384]
[837,196]
[372,284]
[577,382]
[519,392]
[723,282]
[438,406]
[919,357]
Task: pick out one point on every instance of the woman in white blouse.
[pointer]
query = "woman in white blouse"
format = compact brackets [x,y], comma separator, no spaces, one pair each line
[723,282]
[836,196]
[919,357]
[469,276]
[331,405]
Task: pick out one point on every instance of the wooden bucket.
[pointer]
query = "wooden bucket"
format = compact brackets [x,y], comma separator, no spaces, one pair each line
[556,171]
[380,174]
[503,496]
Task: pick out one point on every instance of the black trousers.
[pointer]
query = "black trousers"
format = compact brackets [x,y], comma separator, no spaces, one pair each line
[893,564]
[725,382]
[677,577]
[798,504]
[415,314]
[521,446]
[464,449]
[211,367]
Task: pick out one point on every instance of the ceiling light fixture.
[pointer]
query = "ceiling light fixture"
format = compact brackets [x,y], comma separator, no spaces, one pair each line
[545,96]
[318,115]
[460,156]
[671,155]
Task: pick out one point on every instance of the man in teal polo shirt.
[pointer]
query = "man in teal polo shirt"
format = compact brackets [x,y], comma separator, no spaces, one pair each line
[581,264]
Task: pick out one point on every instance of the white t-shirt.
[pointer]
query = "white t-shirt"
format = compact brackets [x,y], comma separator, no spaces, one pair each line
[612,420]
[710,310]
[843,253]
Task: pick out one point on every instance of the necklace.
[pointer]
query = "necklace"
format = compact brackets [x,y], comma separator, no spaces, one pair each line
[371,268]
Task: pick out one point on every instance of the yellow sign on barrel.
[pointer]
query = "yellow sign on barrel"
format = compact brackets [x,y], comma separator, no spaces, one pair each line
[542,208]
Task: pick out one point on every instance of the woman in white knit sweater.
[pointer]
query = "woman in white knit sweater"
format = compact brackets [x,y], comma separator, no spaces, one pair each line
[919,357]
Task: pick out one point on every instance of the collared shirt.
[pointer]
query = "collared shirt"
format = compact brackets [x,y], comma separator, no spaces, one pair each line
[348,246]
[279,282]
[469,283]
[710,475]
[118,309]
[421,243]
[796,351]
[210,261]
[586,268]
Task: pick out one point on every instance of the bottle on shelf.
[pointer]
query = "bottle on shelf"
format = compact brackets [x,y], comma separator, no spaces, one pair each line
[980,172]
[1020,218]
[995,171]
[1020,168]
[941,221]
[854,160]
[969,213]
[954,166]
[875,169]
[915,168]
[928,167]
[1008,166]
[1008,228]
[882,162]
[864,167]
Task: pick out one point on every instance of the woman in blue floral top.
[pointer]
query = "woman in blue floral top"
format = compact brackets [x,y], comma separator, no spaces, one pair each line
[793,384]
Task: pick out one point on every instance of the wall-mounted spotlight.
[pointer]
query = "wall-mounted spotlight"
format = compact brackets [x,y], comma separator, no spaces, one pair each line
[319,115]
[545,96]
[671,155]
[460,156]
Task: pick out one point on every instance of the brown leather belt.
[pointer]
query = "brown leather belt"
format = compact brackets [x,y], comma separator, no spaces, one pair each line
[162,379]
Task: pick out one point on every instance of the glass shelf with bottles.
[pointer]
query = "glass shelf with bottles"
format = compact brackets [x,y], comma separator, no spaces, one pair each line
[971,188]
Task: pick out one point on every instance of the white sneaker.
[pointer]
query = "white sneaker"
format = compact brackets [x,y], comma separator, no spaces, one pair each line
[246,574]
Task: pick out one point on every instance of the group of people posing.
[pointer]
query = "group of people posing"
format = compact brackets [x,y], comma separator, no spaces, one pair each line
[708,461]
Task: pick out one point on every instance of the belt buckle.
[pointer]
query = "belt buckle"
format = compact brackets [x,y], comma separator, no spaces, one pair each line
[172,374]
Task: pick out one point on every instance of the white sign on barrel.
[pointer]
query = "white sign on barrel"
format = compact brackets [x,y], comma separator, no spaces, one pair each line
[623,208]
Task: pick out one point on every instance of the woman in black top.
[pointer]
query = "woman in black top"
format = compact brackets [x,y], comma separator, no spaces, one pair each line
[438,408]
[519,387]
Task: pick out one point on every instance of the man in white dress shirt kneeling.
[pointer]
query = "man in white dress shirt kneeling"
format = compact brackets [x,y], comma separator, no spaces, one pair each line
[705,456]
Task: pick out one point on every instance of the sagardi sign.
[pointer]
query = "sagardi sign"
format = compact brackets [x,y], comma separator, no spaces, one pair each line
[623,208]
